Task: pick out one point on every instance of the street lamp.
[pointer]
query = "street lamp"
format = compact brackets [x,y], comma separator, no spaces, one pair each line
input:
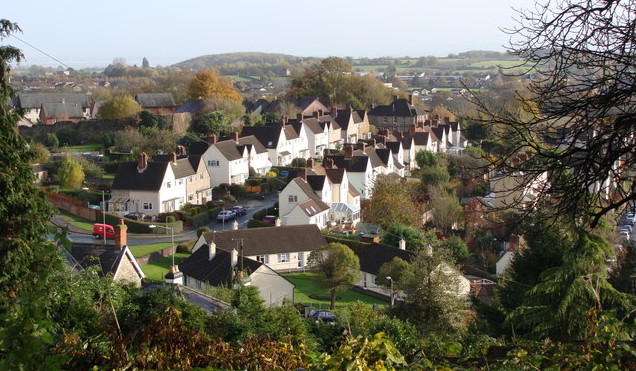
[103,212]
[152,226]
[392,296]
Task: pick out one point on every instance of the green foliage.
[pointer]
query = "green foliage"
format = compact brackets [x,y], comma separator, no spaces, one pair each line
[425,159]
[189,138]
[412,236]
[68,137]
[152,120]
[338,265]
[28,257]
[434,176]
[51,140]
[202,230]
[213,123]
[361,353]
[119,107]
[457,247]
[70,173]
[393,202]
[299,162]
[108,140]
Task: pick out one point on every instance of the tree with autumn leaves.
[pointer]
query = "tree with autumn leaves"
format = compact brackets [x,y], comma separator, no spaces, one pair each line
[208,84]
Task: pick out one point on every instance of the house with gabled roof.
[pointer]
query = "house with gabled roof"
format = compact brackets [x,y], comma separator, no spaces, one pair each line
[299,204]
[227,161]
[282,141]
[112,259]
[307,106]
[50,113]
[225,266]
[150,187]
[283,248]
[399,114]
[353,126]
[159,103]
[360,170]
[317,131]
[32,104]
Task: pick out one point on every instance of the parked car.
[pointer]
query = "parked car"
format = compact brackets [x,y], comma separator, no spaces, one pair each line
[259,196]
[135,216]
[624,234]
[225,215]
[239,210]
[324,316]
[100,229]
[269,219]
[628,227]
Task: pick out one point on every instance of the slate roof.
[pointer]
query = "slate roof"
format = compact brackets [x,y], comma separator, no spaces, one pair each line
[267,135]
[399,107]
[269,240]
[128,177]
[182,168]
[384,154]
[106,257]
[30,101]
[314,125]
[407,142]
[218,270]
[345,116]
[393,146]
[373,256]
[155,100]
[62,110]
[355,164]
[316,182]
[353,191]
[198,148]
[438,131]
[307,188]
[370,152]
[195,162]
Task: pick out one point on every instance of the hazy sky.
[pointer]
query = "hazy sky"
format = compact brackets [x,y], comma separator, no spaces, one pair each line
[93,33]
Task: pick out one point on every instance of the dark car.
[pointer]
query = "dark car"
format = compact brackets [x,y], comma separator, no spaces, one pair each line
[135,216]
[322,316]
[239,210]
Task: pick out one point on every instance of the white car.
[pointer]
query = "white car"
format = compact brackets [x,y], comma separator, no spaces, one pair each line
[624,234]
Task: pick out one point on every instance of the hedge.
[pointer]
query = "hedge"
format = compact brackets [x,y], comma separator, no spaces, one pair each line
[253,223]
[138,226]
[199,219]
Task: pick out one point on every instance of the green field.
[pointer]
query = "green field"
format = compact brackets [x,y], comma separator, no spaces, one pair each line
[496,63]
[309,284]
[85,148]
[142,250]
[157,270]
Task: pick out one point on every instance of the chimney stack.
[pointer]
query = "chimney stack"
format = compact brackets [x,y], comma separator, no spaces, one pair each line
[235,225]
[447,119]
[299,117]
[211,250]
[235,136]
[174,276]
[284,120]
[234,259]
[361,145]
[121,237]
[334,112]
[310,163]
[402,244]
[212,139]
[173,157]
[142,161]
[328,163]
[319,113]
[315,114]
[301,173]
[412,128]
[348,150]
[181,151]
[373,142]
[411,99]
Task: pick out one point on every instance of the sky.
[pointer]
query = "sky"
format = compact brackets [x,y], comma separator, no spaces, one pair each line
[87,33]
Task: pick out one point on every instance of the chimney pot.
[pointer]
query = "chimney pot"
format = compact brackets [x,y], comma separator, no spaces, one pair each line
[234,260]
[173,157]
[211,250]
[402,244]
[301,173]
[310,162]
[328,163]
[142,161]
[212,139]
[299,117]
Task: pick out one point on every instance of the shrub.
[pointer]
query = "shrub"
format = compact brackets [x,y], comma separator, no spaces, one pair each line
[170,219]
[183,248]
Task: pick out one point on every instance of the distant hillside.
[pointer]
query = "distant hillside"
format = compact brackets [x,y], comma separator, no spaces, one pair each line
[245,58]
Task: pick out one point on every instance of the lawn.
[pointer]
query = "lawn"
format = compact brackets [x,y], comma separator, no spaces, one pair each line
[309,284]
[85,148]
[157,270]
[142,250]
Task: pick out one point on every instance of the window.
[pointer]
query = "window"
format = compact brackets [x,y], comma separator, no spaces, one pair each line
[394,118]
[262,258]
[190,178]
[190,197]
[169,184]
[283,258]
[385,119]
[213,163]
[180,181]
[293,199]
[201,176]
[146,206]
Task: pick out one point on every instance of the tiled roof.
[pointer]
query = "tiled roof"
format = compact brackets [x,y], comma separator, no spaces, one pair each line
[421,138]
[394,147]
[312,207]
[399,107]
[316,182]
[229,149]
[407,142]
[154,100]
[62,110]
[182,168]
[198,148]
[335,175]
[384,154]
[314,125]
[373,256]
[290,133]
[88,255]
[128,177]
[370,152]
[269,240]
[252,141]
[192,106]
[353,192]
[218,270]
[28,101]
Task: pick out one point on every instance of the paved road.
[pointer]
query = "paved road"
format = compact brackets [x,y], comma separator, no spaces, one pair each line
[252,206]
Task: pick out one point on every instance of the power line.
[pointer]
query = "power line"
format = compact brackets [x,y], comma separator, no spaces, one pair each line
[43,52]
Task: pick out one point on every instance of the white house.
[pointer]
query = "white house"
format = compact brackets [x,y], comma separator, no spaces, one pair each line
[282,142]
[227,162]
[150,187]
[299,204]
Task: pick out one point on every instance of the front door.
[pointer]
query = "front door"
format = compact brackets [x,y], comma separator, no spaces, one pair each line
[301,260]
